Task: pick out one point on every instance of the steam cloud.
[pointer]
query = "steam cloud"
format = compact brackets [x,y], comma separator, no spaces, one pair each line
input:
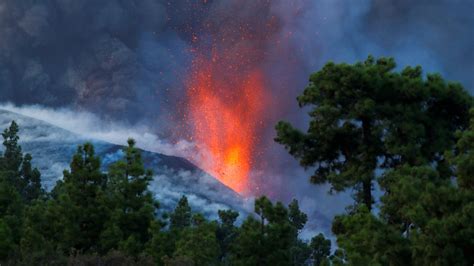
[126,61]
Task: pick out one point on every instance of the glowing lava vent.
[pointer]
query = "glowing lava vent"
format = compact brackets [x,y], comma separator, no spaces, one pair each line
[227,99]
[226,112]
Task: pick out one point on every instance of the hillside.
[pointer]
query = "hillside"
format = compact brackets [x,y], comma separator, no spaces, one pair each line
[52,147]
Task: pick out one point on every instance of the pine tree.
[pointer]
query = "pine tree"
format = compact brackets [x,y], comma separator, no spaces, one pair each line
[31,179]
[7,244]
[79,202]
[132,204]
[181,217]
[270,239]
[367,116]
[226,232]
[12,156]
[19,184]
[198,242]
[299,251]
[320,249]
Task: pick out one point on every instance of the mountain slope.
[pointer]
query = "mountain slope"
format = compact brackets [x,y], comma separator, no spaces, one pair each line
[52,149]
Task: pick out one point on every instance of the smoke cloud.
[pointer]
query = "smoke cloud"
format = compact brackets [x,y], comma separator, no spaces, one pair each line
[91,126]
[128,59]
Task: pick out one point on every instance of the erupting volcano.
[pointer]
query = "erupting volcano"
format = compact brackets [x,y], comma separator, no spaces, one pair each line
[226,115]
[226,94]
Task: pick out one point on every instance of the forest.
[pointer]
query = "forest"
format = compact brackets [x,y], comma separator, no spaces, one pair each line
[400,140]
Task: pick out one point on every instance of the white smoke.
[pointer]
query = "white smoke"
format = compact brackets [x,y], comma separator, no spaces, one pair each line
[51,136]
[91,127]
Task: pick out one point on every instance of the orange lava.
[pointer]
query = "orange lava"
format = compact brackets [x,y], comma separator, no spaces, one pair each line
[227,100]
[226,113]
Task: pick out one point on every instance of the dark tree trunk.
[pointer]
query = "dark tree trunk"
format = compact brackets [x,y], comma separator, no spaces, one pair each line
[262,236]
[367,193]
[370,162]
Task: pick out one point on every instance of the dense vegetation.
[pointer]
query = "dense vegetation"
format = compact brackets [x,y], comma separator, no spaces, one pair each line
[409,137]
[96,218]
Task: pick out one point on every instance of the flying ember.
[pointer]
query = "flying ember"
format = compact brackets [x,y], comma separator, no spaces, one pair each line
[227,101]
[226,114]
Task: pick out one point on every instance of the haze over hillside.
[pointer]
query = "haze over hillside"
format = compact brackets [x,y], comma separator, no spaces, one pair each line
[52,149]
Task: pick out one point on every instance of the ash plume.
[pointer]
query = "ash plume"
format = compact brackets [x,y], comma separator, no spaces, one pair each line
[128,59]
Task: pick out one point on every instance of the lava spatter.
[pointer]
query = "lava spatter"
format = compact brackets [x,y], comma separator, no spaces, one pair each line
[226,94]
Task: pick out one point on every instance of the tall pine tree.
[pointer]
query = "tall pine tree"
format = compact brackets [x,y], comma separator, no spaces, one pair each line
[368,116]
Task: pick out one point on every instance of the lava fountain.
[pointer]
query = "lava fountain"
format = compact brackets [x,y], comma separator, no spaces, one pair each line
[226,94]
[226,116]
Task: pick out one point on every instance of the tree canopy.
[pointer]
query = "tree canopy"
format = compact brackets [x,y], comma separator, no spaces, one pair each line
[368,116]
[410,134]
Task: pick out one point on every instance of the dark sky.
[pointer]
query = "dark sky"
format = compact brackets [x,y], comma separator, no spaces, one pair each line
[78,53]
